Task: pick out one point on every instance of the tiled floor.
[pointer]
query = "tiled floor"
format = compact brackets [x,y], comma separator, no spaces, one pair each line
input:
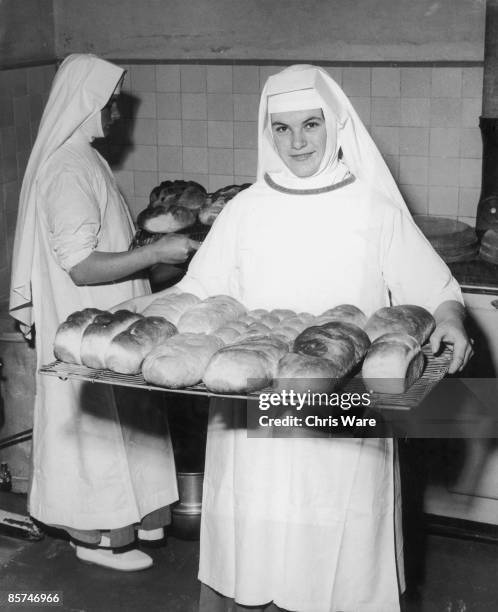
[456,576]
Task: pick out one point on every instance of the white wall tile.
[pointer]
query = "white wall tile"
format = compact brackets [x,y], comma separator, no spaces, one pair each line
[145,158]
[444,142]
[146,108]
[467,201]
[246,79]
[471,111]
[145,131]
[413,170]
[472,82]
[443,200]
[194,106]
[245,161]
[386,112]
[416,82]
[414,141]
[193,78]
[446,82]
[220,106]
[217,181]
[168,78]
[219,79]
[470,142]
[169,105]
[446,112]
[194,133]
[443,171]
[245,107]
[220,161]
[245,135]
[169,132]
[415,112]
[142,78]
[470,172]
[220,134]
[387,139]
[170,159]
[356,81]
[195,159]
[386,82]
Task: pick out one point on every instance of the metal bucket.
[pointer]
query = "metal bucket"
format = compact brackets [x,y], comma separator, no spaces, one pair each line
[186,513]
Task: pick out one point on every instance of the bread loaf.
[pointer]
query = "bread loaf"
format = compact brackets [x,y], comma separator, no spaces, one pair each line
[180,361]
[67,343]
[171,306]
[407,319]
[129,348]
[210,314]
[303,373]
[332,345]
[358,337]
[393,363]
[215,202]
[164,219]
[98,335]
[344,313]
[245,366]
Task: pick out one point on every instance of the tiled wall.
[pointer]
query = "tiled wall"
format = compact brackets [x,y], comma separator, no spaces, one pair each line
[23,93]
[198,122]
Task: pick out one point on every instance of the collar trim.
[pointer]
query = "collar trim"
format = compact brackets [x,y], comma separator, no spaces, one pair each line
[271,183]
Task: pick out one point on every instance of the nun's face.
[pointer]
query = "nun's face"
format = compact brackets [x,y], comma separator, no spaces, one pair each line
[300,138]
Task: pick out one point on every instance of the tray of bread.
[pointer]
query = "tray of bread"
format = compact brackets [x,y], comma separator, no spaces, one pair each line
[435,369]
[181,207]
[216,347]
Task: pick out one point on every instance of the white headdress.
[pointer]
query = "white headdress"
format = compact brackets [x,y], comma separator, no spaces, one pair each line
[303,84]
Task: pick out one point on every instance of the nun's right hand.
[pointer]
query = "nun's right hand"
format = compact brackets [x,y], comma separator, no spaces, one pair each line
[174,248]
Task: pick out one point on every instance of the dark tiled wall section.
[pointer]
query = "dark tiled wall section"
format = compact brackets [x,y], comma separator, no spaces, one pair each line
[23,93]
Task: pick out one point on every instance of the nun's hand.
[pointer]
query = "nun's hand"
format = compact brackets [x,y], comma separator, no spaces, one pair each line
[173,248]
[453,333]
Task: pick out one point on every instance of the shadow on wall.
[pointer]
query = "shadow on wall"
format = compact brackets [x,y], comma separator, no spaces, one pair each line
[119,144]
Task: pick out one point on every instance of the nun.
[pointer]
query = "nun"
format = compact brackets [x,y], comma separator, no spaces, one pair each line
[311,524]
[102,461]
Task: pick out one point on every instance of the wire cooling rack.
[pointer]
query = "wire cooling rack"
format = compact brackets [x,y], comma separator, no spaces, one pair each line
[435,369]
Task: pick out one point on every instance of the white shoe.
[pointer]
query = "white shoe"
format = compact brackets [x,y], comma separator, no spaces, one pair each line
[150,535]
[128,561]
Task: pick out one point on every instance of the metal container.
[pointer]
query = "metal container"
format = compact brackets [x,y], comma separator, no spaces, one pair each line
[186,513]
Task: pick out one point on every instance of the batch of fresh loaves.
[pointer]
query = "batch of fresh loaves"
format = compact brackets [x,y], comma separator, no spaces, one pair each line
[180,340]
[175,206]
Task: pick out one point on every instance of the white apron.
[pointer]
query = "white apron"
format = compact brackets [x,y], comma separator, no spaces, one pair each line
[95,466]
[308,524]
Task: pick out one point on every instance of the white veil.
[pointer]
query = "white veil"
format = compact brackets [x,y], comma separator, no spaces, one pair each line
[81,88]
[359,152]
